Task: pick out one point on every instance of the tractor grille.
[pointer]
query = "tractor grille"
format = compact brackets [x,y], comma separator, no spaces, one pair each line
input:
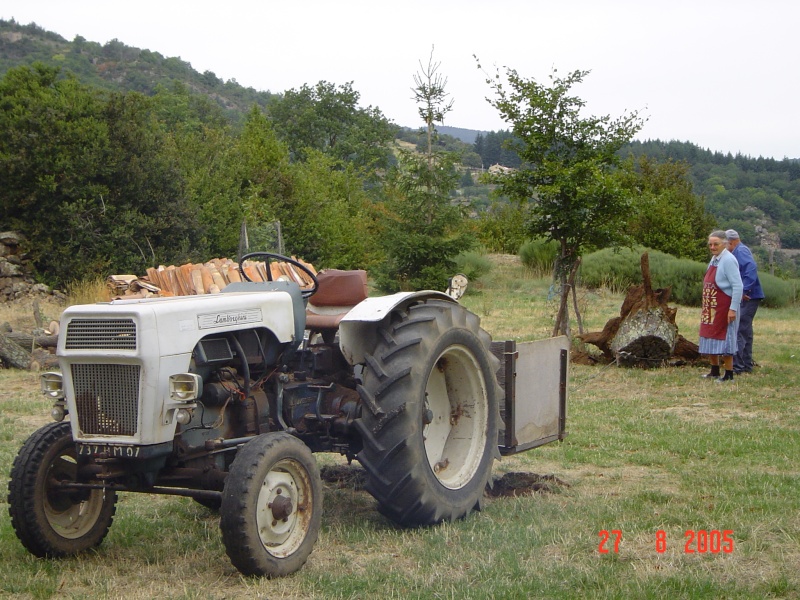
[107,397]
[101,334]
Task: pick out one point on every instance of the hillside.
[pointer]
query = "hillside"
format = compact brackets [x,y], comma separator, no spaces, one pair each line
[759,197]
[117,67]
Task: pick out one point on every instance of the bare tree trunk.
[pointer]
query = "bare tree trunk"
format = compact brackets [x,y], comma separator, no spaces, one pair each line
[567,281]
[574,289]
[29,341]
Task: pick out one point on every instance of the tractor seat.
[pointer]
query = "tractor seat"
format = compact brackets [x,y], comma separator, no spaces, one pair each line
[338,292]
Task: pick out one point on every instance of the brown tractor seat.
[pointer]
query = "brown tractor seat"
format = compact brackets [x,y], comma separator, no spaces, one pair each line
[337,293]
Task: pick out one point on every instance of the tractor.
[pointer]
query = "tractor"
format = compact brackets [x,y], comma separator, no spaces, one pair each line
[225,398]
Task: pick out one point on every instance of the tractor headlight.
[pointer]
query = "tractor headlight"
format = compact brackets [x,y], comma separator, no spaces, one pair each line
[185,387]
[183,416]
[52,385]
[58,412]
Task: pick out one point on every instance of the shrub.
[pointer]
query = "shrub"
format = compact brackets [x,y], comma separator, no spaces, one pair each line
[619,269]
[778,292]
[473,264]
[539,256]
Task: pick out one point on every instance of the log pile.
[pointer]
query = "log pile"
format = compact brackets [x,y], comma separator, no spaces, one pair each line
[34,351]
[645,333]
[198,279]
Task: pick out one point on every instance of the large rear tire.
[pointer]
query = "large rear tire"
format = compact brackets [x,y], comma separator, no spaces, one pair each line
[271,506]
[51,521]
[430,414]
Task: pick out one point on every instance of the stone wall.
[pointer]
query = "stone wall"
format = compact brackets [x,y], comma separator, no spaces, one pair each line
[15,271]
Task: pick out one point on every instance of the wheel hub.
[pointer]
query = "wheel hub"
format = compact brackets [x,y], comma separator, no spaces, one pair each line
[281,508]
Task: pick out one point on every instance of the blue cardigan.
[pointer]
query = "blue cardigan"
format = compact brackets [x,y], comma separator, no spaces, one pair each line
[728,278]
[748,271]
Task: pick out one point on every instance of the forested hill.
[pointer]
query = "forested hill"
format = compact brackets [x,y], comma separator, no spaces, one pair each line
[117,67]
[760,197]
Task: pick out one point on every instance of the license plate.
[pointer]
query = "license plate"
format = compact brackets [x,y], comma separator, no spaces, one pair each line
[109,450]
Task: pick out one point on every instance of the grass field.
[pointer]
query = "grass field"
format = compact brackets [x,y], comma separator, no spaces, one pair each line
[652,454]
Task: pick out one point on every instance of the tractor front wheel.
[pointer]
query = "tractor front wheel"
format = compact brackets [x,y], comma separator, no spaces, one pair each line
[271,506]
[49,519]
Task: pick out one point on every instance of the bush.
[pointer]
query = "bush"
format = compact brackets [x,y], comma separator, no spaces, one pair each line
[539,256]
[619,269]
[473,264]
[501,228]
[778,292]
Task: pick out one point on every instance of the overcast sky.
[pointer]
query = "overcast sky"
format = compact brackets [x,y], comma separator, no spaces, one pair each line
[723,74]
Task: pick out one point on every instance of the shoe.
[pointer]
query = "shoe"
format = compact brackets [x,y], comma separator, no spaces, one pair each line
[712,374]
[725,378]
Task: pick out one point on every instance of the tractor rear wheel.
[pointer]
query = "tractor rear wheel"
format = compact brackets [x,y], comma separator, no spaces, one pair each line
[271,506]
[49,520]
[429,416]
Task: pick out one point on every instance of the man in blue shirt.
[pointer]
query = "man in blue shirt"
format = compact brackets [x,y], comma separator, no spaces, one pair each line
[752,295]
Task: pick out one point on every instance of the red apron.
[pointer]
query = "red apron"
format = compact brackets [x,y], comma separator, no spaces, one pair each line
[716,304]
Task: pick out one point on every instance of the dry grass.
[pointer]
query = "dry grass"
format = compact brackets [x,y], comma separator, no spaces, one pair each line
[19,314]
[88,291]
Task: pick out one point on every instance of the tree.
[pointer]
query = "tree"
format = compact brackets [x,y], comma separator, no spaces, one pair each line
[330,219]
[265,181]
[567,173]
[667,214]
[328,118]
[86,179]
[421,235]
[204,148]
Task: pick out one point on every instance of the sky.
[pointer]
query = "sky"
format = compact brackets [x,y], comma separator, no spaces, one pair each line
[722,74]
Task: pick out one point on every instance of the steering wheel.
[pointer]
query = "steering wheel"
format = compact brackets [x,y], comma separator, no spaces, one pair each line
[270,256]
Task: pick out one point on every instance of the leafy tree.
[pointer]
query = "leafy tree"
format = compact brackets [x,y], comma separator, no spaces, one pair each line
[85,178]
[421,235]
[152,221]
[203,144]
[567,172]
[328,118]
[737,189]
[265,181]
[501,228]
[667,215]
[330,219]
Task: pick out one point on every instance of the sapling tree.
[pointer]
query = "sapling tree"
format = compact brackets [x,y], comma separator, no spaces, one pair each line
[421,235]
[567,175]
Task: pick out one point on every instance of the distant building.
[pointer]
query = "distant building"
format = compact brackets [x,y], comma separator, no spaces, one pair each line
[500,170]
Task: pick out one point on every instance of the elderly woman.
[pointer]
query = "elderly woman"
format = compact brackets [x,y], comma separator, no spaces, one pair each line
[719,319]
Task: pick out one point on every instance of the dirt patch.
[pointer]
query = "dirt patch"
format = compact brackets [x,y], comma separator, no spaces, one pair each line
[344,476]
[507,485]
[523,484]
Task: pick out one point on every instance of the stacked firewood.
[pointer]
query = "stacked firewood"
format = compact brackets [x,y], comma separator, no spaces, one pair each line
[209,278]
[34,350]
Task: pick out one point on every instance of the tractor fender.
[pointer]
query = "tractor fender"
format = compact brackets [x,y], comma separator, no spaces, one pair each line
[358,329]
